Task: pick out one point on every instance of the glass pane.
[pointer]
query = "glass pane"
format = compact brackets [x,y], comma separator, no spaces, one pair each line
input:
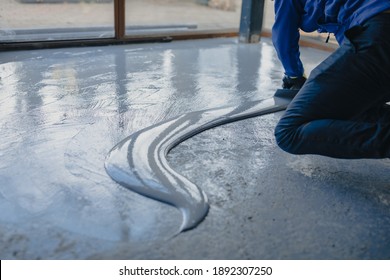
[39,20]
[269,15]
[169,16]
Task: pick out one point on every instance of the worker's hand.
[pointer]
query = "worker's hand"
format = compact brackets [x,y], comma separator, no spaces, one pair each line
[293,82]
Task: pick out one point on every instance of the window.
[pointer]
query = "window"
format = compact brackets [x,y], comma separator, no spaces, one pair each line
[178,16]
[42,20]
[59,20]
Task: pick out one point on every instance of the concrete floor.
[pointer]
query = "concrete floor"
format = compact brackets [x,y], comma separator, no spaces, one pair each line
[62,110]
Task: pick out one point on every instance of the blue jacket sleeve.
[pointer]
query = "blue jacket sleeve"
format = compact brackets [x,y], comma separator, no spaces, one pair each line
[285,35]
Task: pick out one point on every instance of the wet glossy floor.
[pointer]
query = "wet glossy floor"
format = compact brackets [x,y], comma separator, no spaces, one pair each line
[62,110]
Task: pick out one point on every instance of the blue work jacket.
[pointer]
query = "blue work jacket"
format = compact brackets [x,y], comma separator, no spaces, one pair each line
[333,16]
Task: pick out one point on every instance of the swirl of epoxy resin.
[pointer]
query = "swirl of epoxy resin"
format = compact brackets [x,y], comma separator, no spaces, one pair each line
[139,161]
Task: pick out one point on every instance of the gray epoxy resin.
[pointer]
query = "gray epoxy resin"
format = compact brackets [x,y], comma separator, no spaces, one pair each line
[139,161]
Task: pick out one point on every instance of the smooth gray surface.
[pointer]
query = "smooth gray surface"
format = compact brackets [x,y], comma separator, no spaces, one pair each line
[62,110]
[139,161]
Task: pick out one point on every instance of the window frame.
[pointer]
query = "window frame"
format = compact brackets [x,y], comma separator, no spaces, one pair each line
[250,30]
[120,36]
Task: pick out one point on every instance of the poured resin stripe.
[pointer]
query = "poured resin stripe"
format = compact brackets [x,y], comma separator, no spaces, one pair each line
[139,161]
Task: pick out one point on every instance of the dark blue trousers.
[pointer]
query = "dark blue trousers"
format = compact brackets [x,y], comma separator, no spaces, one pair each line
[341,110]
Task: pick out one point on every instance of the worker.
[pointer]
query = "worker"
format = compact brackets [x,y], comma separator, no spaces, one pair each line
[340,111]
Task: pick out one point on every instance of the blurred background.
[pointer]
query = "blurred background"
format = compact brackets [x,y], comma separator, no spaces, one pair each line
[30,20]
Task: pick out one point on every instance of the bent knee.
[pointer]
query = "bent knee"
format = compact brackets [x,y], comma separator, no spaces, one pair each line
[286,138]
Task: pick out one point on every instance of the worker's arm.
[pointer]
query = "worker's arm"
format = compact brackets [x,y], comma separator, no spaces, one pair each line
[285,37]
